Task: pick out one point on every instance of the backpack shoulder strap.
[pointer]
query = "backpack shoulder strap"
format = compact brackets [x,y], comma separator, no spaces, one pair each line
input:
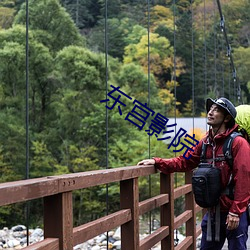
[203,152]
[227,148]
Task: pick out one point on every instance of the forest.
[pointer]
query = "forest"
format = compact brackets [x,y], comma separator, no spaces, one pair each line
[58,69]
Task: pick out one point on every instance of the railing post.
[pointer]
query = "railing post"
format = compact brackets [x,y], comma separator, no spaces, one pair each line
[58,219]
[129,198]
[167,210]
[190,205]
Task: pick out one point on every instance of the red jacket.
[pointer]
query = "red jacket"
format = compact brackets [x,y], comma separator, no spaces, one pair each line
[241,167]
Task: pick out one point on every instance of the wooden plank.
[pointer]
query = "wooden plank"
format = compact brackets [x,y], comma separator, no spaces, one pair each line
[182,218]
[198,231]
[98,177]
[190,205]
[129,195]
[167,210]
[46,244]
[90,230]
[24,190]
[178,192]
[152,203]
[198,209]
[58,219]
[154,238]
[185,244]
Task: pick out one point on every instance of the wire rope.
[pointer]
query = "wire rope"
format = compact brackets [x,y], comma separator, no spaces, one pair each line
[106,115]
[175,89]
[215,53]
[27,207]
[236,83]
[149,141]
[205,53]
[205,49]
[192,77]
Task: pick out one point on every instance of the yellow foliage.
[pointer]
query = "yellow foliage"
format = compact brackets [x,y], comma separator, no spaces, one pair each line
[161,15]
[203,114]
[199,133]
[172,84]
[6,17]
[166,96]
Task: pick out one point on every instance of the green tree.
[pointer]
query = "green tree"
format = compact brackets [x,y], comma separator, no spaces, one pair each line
[117,31]
[6,17]
[136,84]
[84,13]
[242,64]
[53,25]
[7,13]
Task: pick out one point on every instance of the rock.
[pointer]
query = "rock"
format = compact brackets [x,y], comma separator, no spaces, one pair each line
[100,238]
[103,243]
[91,242]
[95,248]
[18,228]
[111,239]
[13,243]
[3,233]
[117,234]
[81,246]
[38,232]
[117,244]
[16,238]
[18,247]
[111,233]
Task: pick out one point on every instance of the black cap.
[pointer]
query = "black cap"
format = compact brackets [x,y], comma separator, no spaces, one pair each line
[223,103]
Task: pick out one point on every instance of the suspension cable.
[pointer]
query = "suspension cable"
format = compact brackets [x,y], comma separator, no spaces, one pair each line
[107,120]
[149,142]
[175,92]
[205,51]
[192,24]
[27,207]
[215,53]
[229,53]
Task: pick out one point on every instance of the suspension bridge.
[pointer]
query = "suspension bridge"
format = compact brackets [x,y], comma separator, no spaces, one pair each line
[56,192]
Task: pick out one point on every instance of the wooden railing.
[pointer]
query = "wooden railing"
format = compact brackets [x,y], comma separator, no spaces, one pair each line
[59,232]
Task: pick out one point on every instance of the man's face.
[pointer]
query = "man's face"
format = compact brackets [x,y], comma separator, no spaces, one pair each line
[215,116]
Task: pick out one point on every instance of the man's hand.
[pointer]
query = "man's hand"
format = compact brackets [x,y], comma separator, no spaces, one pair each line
[232,221]
[146,162]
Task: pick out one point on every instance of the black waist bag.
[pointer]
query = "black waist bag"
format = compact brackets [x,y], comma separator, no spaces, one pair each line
[206,182]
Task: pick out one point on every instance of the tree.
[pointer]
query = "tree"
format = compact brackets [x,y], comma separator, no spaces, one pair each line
[78,72]
[161,57]
[6,17]
[242,64]
[40,60]
[53,25]
[118,31]
[84,13]
[161,16]
[135,82]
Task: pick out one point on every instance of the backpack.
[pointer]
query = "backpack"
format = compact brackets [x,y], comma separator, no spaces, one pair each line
[206,185]
[206,179]
[243,120]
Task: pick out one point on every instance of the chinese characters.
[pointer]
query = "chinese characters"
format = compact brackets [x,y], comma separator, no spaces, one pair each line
[158,123]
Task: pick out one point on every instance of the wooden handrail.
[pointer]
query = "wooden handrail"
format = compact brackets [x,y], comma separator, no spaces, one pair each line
[58,208]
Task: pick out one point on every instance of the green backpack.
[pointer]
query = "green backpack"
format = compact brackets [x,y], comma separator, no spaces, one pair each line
[243,120]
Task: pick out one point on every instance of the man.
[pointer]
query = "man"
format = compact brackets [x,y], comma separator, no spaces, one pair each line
[221,115]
